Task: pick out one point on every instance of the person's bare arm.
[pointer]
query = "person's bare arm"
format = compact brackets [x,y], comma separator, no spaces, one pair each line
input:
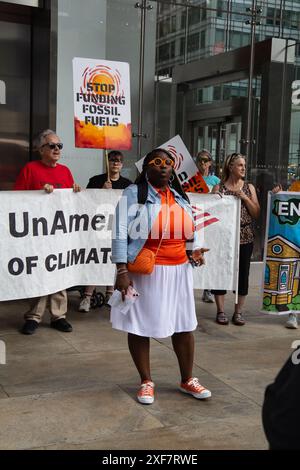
[252,203]
[122,279]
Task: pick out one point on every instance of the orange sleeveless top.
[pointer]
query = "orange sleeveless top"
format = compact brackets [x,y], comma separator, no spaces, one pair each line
[175,225]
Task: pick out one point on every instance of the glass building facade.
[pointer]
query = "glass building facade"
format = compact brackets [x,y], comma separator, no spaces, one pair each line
[189,67]
[193,30]
[213,111]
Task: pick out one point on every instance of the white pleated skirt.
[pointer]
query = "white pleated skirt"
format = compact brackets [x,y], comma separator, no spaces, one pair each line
[165,306]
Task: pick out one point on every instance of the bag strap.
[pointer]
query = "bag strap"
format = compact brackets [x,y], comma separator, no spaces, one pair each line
[142,192]
[166,225]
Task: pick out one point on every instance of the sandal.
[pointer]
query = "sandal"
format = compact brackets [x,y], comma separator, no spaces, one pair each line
[237,319]
[222,319]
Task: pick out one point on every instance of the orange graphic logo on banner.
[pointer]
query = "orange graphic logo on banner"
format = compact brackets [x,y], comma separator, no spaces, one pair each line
[202,218]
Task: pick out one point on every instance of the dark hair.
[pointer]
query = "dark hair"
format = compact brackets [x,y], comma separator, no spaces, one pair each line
[115,153]
[142,182]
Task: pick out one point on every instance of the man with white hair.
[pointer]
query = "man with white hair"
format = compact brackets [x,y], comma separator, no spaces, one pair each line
[47,174]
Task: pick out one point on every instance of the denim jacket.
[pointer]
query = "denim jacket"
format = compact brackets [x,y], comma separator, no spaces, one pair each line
[133,222]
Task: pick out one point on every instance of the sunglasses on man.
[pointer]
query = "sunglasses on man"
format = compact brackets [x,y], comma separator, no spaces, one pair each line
[53,146]
[115,160]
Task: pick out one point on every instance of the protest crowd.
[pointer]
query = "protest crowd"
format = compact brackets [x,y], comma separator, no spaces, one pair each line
[155,249]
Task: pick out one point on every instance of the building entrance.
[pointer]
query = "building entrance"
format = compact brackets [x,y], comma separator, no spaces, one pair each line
[15,71]
[219,137]
[27,88]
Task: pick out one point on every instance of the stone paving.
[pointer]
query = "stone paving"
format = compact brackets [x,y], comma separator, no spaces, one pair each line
[77,390]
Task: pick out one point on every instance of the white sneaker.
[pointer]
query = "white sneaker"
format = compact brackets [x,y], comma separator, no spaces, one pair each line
[207,297]
[292,322]
[85,304]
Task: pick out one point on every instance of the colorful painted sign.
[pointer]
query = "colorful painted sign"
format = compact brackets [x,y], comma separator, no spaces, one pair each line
[186,169]
[102,117]
[281,285]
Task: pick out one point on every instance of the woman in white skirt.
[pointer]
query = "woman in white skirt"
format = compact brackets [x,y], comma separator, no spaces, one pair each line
[154,216]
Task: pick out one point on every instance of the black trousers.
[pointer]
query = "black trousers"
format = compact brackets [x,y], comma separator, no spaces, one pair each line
[244,268]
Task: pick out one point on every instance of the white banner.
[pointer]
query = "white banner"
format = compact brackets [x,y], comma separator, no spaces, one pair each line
[101,104]
[50,242]
[186,169]
[218,223]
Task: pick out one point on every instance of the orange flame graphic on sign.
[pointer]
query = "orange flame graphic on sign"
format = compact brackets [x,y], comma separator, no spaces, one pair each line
[104,75]
[89,136]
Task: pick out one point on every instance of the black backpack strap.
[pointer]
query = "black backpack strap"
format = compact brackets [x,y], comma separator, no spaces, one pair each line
[142,192]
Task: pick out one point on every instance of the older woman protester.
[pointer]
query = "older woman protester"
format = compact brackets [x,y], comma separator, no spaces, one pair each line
[157,225]
[232,183]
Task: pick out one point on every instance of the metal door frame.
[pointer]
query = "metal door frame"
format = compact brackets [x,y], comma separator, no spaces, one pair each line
[219,123]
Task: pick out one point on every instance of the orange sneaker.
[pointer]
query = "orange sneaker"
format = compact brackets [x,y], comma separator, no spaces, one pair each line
[145,394]
[193,387]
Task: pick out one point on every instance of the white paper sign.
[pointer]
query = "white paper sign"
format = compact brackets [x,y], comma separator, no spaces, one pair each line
[101,104]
